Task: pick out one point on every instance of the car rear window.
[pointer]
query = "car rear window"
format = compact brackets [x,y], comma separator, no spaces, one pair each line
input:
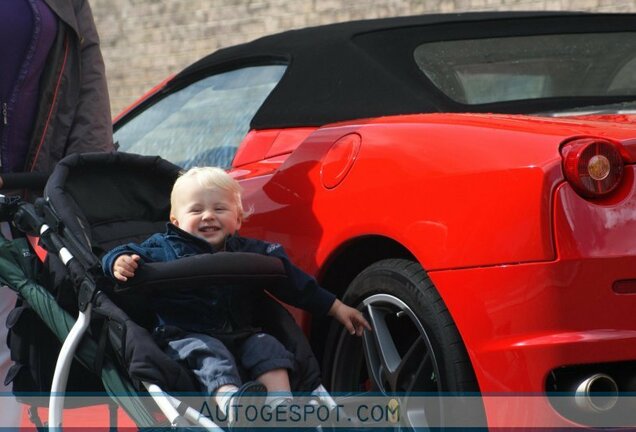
[204,122]
[490,70]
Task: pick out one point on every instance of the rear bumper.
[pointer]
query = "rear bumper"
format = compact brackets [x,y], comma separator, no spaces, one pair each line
[521,321]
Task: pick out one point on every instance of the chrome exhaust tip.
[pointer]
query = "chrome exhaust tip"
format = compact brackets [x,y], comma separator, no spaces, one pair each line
[596,394]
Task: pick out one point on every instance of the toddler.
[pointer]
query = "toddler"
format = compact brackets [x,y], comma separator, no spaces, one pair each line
[206,213]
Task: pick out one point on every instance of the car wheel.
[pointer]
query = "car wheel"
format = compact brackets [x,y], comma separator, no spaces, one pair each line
[414,346]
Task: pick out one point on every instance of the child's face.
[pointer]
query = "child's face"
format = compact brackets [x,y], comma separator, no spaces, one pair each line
[211,214]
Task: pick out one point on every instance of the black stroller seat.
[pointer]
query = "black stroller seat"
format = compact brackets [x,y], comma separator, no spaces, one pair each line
[92,203]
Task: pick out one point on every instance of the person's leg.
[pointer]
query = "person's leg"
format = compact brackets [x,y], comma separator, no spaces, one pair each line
[207,357]
[215,368]
[212,364]
[268,361]
[261,353]
[276,380]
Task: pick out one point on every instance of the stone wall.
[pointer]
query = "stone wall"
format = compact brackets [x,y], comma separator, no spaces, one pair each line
[144,41]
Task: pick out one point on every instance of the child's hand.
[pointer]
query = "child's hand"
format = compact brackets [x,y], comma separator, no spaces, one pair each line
[351,318]
[125,267]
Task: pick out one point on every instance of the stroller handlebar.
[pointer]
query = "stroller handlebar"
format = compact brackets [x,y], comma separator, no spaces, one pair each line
[201,271]
[23,180]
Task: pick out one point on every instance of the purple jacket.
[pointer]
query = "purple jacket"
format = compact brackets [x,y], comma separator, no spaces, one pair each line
[73,113]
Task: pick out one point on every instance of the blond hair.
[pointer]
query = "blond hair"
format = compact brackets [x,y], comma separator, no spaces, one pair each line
[211,178]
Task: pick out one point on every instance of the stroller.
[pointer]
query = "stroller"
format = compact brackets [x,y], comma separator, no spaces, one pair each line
[93,202]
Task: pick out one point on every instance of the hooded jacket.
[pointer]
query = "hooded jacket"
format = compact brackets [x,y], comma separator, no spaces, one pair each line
[73,114]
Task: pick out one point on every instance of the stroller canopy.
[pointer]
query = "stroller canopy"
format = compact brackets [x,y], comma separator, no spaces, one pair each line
[106,199]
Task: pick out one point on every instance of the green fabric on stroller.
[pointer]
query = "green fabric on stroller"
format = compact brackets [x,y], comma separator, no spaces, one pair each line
[17,270]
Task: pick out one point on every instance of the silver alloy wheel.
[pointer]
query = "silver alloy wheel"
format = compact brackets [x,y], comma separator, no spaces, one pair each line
[393,367]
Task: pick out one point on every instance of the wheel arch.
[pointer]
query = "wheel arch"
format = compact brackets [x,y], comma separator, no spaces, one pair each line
[354,256]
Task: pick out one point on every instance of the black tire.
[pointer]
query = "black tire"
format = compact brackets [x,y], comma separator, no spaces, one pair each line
[423,351]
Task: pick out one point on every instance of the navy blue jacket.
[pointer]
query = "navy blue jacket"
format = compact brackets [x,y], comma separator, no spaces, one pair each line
[207,309]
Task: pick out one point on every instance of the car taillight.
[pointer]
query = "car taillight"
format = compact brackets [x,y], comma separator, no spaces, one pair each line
[594,167]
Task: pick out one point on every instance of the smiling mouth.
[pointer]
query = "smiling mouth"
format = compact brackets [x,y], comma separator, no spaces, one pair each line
[209,229]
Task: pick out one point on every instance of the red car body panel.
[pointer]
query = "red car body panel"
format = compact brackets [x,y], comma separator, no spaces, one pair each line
[526,170]
[523,278]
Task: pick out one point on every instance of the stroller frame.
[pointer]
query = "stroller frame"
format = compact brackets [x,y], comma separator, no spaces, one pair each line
[66,242]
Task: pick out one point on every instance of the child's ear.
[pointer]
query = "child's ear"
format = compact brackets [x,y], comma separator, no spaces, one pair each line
[174,221]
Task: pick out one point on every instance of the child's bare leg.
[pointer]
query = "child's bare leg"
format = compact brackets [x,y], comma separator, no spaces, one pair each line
[276,380]
[278,387]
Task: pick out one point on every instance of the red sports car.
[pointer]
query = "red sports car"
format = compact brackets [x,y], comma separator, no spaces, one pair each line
[468,180]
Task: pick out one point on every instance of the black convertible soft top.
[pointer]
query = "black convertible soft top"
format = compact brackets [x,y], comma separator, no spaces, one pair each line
[365,68]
